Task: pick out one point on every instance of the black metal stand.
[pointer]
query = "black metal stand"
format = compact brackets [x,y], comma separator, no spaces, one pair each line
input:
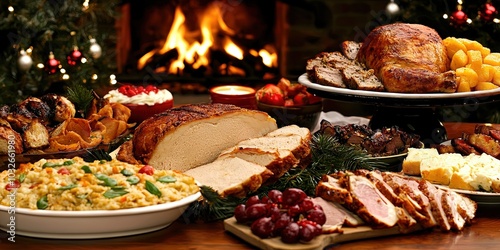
[421,121]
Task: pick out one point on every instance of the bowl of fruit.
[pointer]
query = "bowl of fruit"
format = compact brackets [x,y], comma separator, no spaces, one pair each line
[289,103]
[143,101]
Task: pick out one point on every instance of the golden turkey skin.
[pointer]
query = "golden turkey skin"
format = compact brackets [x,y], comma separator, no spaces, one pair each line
[408,58]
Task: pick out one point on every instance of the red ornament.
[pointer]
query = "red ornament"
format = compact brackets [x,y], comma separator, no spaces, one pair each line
[74,57]
[458,17]
[52,64]
[488,12]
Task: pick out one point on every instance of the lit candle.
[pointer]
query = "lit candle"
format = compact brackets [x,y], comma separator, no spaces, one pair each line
[232,94]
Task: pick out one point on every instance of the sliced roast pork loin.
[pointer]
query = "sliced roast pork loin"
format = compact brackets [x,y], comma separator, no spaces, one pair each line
[359,195]
[382,199]
[188,136]
[414,200]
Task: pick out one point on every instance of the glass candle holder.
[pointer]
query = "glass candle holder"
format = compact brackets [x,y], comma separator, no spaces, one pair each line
[240,96]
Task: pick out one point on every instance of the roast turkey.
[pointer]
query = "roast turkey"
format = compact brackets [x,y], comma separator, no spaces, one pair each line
[408,58]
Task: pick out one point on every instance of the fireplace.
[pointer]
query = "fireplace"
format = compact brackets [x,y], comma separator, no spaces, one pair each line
[195,44]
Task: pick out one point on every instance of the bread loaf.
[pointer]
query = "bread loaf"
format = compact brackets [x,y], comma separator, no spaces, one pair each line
[192,135]
[231,176]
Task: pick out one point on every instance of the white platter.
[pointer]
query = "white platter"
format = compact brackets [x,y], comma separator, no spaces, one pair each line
[93,224]
[482,198]
[304,80]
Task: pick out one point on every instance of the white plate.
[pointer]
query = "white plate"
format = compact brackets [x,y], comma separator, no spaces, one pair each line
[482,198]
[93,224]
[304,80]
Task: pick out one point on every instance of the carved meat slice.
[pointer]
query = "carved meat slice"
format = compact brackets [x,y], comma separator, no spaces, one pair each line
[370,204]
[435,196]
[466,207]
[336,214]
[406,221]
[329,188]
[450,205]
[414,200]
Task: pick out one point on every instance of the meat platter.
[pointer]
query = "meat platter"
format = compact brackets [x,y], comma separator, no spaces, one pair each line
[399,99]
[320,242]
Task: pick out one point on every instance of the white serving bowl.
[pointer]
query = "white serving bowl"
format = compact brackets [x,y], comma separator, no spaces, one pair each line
[96,223]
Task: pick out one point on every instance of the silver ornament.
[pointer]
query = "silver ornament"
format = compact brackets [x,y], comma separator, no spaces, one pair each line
[392,8]
[24,62]
[95,49]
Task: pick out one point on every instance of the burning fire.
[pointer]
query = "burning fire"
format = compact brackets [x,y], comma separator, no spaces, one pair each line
[197,54]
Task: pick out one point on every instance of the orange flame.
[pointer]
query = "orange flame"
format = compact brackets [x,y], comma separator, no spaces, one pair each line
[195,53]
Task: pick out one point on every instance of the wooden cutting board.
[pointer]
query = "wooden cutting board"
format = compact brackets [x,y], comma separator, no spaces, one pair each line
[320,242]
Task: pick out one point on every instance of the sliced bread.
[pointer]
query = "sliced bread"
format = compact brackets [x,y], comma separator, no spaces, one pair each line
[231,176]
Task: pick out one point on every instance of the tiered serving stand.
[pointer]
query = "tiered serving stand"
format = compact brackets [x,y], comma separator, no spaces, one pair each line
[413,113]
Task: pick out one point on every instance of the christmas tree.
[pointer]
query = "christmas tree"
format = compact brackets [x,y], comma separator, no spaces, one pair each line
[477,20]
[472,19]
[48,45]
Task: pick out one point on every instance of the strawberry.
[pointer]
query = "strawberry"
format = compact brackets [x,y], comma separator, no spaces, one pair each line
[290,89]
[271,94]
[301,99]
[289,102]
[312,98]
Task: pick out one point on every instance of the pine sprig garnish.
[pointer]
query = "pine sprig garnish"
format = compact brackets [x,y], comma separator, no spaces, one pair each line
[81,97]
[212,207]
[96,155]
[328,156]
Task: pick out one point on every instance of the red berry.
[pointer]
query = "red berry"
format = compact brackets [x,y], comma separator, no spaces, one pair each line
[240,213]
[253,200]
[317,216]
[275,195]
[307,204]
[290,233]
[147,169]
[263,227]
[293,196]
[256,211]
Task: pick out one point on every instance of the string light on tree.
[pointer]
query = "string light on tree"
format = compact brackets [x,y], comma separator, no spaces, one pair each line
[25,61]
[392,8]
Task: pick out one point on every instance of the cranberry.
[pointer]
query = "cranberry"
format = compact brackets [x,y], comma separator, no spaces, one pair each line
[293,196]
[240,213]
